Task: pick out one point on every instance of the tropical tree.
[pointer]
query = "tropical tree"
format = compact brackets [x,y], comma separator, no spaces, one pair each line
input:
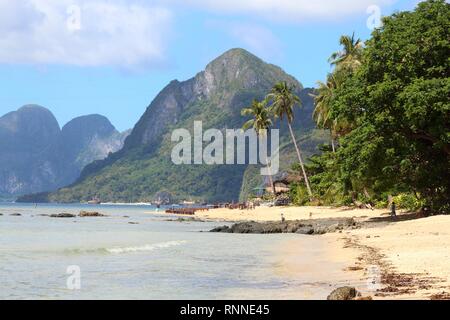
[346,62]
[283,101]
[322,110]
[397,103]
[261,122]
[350,55]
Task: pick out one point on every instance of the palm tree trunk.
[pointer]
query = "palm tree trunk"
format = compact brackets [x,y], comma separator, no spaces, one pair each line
[333,146]
[270,177]
[301,161]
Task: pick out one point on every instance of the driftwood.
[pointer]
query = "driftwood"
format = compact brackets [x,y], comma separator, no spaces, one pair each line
[361,205]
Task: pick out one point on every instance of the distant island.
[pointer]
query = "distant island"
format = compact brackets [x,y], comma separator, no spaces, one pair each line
[37,156]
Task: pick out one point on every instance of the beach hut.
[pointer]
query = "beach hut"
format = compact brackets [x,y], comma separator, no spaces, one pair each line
[281,186]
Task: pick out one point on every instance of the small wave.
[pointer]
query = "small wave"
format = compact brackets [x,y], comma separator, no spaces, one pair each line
[149,247]
[119,250]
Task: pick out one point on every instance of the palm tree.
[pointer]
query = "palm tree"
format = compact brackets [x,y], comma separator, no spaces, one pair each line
[261,122]
[350,55]
[283,102]
[322,112]
[323,99]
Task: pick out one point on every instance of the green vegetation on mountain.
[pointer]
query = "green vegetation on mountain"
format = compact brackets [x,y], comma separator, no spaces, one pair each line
[387,105]
[216,96]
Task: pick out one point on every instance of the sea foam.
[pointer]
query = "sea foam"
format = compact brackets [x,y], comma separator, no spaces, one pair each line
[148,247]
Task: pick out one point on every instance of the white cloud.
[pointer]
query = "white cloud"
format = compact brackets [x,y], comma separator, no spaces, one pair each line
[111,33]
[292,10]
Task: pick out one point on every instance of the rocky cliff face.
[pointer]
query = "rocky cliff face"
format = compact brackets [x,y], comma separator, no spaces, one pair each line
[86,139]
[35,155]
[215,96]
[29,138]
[227,82]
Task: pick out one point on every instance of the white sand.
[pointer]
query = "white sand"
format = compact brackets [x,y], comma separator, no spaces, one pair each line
[290,213]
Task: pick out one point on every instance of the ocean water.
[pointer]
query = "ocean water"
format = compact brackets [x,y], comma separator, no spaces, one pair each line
[153,259]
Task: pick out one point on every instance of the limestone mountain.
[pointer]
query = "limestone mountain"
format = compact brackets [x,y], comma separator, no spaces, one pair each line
[86,139]
[215,96]
[29,138]
[36,155]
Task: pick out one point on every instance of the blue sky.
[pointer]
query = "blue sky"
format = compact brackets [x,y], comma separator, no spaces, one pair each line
[80,57]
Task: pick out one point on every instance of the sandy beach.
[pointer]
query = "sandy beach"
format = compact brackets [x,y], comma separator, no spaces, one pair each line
[290,213]
[404,259]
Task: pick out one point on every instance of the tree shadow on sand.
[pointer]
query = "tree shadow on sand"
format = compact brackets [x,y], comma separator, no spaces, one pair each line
[402,217]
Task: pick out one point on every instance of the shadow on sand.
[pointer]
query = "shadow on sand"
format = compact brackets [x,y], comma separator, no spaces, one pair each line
[402,217]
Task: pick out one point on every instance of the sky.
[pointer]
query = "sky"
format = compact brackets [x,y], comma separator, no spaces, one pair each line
[112,57]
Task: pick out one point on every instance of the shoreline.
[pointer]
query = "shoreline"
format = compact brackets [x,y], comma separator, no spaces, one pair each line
[321,261]
[406,258]
[403,259]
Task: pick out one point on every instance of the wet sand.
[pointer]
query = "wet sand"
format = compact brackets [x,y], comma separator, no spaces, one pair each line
[404,259]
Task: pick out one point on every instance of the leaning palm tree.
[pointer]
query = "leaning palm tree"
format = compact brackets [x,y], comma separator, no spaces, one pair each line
[283,102]
[350,55]
[261,122]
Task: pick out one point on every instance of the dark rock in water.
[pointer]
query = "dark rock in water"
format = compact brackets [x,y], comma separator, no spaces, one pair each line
[62,215]
[309,227]
[305,230]
[224,229]
[133,222]
[188,220]
[15,215]
[344,293]
[84,214]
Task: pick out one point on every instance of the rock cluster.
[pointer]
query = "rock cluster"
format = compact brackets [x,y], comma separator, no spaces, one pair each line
[347,293]
[343,293]
[307,227]
[62,215]
[85,214]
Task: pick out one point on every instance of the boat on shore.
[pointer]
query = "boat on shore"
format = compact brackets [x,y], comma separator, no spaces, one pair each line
[94,201]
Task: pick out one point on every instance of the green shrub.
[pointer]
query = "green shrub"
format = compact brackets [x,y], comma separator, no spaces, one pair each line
[299,195]
[381,204]
[408,201]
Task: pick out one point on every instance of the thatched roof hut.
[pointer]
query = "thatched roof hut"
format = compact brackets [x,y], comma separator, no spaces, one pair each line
[281,186]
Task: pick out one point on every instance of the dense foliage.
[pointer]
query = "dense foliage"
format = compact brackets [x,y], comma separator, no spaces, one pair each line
[394,106]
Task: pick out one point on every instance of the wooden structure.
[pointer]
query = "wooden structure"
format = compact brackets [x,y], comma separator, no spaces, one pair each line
[185,211]
[281,186]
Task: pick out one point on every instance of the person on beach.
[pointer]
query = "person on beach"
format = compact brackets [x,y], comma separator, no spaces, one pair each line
[283,219]
[393,210]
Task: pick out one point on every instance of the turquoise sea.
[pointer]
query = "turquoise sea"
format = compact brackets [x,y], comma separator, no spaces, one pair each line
[136,252]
